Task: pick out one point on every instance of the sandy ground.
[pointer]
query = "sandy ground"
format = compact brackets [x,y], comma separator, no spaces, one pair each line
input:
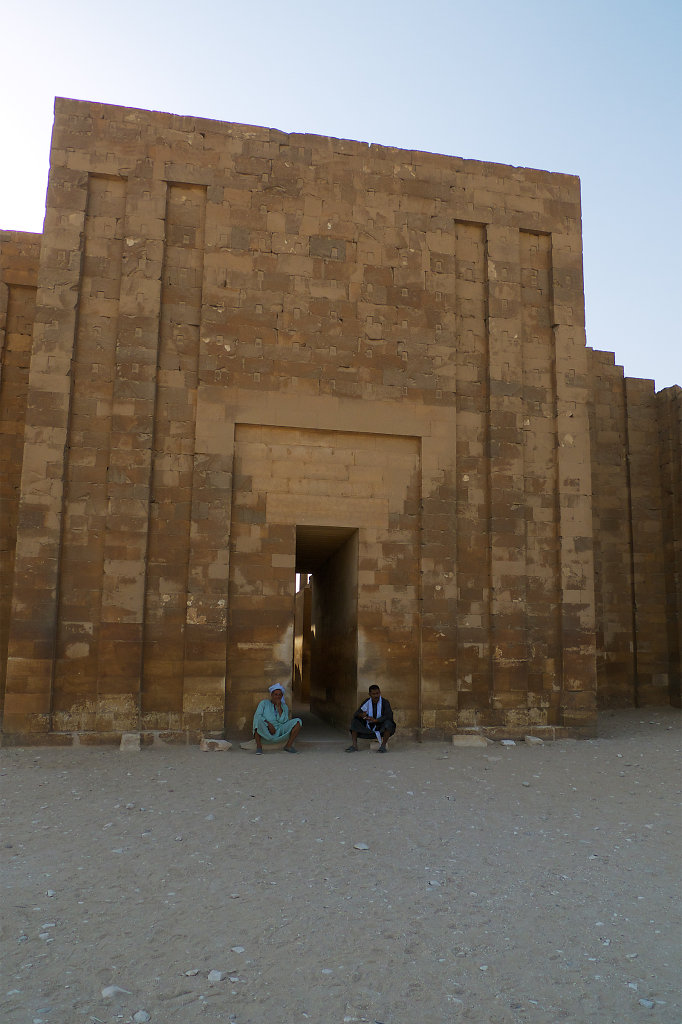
[513,884]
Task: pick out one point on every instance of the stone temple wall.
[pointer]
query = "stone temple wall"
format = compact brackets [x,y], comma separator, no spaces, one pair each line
[236,354]
[637,512]
[19,255]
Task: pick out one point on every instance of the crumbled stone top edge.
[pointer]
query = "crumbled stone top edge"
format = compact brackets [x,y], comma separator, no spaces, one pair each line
[190,123]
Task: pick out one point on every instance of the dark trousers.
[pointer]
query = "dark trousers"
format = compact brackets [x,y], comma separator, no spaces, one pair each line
[359,726]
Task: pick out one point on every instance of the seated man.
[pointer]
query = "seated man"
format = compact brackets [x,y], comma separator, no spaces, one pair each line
[272,722]
[373,719]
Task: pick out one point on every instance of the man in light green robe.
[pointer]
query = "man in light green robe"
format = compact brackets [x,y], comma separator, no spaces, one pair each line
[272,724]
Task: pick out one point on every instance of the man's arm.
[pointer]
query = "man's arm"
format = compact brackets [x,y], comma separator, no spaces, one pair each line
[386,711]
[361,713]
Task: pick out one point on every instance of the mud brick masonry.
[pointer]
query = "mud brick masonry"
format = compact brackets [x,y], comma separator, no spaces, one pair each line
[236,354]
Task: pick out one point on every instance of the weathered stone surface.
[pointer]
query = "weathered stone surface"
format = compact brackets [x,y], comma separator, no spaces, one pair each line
[469,740]
[130,741]
[208,744]
[235,355]
[250,745]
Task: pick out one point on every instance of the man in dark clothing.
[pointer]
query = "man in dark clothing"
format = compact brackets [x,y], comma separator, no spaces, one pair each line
[373,719]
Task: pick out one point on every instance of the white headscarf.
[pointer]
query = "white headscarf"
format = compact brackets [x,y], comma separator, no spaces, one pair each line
[276,686]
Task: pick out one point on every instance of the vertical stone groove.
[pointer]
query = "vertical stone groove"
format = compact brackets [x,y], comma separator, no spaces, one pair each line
[173,452]
[85,503]
[14,372]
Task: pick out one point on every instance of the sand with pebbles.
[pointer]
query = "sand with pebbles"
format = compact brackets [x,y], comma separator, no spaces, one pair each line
[532,884]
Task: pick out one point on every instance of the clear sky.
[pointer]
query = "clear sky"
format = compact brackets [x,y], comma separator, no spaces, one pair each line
[587,87]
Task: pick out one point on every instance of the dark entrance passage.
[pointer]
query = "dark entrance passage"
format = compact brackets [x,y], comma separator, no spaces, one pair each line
[326,633]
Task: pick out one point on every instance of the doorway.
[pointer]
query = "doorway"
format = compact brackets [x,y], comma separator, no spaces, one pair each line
[325,655]
[342,508]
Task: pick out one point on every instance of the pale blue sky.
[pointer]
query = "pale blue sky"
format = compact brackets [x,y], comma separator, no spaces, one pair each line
[587,87]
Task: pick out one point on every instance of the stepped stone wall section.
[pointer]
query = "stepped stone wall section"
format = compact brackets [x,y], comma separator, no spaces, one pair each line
[636,472]
[669,408]
[19,255]
[235,334]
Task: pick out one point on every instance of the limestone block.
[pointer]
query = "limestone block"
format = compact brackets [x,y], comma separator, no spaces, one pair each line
[250,745]
[469,740]
[130,741]
[209,744]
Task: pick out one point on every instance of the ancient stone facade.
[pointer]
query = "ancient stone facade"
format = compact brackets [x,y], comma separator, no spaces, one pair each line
[236,354]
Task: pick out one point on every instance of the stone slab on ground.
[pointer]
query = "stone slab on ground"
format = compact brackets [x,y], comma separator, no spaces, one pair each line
[250,745]
[209,744]
[130,741]
[469,740]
